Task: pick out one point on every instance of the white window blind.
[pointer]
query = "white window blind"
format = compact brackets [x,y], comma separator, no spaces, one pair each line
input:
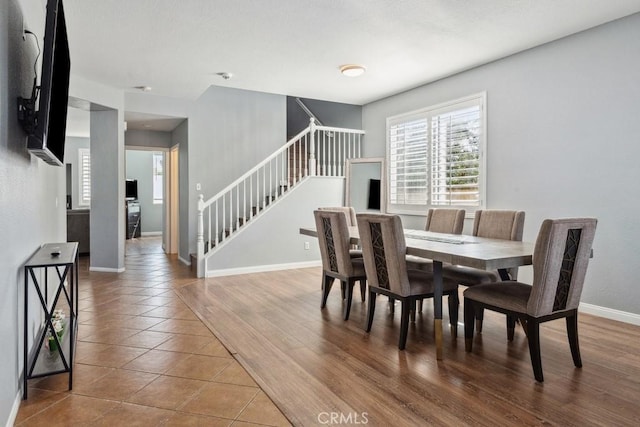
[84,179]
[436,156]
[158,177]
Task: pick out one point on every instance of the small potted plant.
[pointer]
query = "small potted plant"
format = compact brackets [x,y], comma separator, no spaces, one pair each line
[57,319]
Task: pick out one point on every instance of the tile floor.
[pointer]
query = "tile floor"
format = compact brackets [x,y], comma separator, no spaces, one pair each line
[144,359]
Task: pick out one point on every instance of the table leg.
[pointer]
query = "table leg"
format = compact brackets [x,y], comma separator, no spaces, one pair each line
[437,306]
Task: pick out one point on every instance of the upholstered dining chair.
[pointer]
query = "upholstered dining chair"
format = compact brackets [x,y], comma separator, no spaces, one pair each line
[439,220]
[496,224]
[560,259]
[384,250]
[350,213]
[333,238]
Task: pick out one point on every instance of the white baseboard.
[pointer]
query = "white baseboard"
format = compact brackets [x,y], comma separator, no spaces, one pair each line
[151,233]
[14,409]
[262,268]
[610,313]
[106,270]
[184,261]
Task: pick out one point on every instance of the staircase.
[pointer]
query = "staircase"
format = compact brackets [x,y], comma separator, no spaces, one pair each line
[316,151]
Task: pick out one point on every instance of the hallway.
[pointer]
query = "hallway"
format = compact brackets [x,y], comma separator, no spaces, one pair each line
[144,358]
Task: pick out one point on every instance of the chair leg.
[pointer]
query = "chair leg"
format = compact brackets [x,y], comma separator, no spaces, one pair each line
[479,318]
[363,289]
[572,333]
[511,326]
[469,323]
[347,306]
[420,305]
[392,305]
[327,282]
[533,334]
[343,289]
[454,304]
[371,309]
[412,311]
[404,323]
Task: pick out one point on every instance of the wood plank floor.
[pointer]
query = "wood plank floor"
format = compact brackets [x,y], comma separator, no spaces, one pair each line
[315,366]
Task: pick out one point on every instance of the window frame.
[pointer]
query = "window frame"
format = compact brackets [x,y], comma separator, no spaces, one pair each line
[479,99]
[82,154]
[154,177]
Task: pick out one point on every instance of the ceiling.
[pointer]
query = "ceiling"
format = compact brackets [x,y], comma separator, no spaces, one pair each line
[295,47]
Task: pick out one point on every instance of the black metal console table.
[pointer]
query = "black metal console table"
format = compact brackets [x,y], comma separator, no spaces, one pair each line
[53,351]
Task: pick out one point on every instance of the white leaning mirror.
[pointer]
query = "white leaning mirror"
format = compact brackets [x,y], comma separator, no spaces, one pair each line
[365,188]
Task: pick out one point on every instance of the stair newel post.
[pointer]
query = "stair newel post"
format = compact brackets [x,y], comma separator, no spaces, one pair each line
[312,147]
[200,237]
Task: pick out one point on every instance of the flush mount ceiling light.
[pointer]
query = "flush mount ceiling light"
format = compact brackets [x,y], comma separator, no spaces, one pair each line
[143,88]
[352,70]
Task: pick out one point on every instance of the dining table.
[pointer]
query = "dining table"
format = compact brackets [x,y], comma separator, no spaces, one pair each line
[455,249]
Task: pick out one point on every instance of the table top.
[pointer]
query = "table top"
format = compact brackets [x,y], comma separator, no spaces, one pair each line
[470,251]
[44,256]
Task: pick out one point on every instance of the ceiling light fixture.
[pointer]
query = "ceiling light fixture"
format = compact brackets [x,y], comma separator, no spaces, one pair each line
[143,88]
[225,76]
[352,70]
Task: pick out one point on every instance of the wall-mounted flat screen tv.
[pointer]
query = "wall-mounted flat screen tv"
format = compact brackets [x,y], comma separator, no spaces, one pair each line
[131,189]
[47,127]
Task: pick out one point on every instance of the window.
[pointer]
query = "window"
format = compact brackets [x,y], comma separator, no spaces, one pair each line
[436,156]
[158,177]
[84,178]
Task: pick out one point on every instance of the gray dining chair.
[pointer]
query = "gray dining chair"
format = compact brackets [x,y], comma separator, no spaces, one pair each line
[560,259]
[439,220]
[333,239]
[496,224]
[384,250]
[350,213]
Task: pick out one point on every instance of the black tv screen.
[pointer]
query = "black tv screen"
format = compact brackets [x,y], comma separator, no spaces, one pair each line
[374,194]
[131,189]
[47,140]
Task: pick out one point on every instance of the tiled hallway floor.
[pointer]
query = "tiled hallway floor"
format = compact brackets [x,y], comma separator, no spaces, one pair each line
[144,359]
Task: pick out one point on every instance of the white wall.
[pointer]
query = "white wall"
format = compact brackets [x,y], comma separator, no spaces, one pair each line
[562,141]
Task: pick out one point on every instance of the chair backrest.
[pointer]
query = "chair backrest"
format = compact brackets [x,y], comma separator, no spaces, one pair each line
[333,238]
[445,220]
[499,224]
[384,250]
[560,261]
[349,212]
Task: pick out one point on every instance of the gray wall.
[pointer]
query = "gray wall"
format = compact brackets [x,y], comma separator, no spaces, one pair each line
[562,141]
[139,166]
[72,144]
[180,136]
[329,113]
[230,131]
[32,208]
[147,138]
[107,190]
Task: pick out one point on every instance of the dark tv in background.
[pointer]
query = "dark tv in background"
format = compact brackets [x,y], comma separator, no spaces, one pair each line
[131,189]
[374,194]
[46,127]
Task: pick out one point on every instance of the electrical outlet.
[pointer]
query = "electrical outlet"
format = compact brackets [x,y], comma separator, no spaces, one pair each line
[198,187]
[306,246]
